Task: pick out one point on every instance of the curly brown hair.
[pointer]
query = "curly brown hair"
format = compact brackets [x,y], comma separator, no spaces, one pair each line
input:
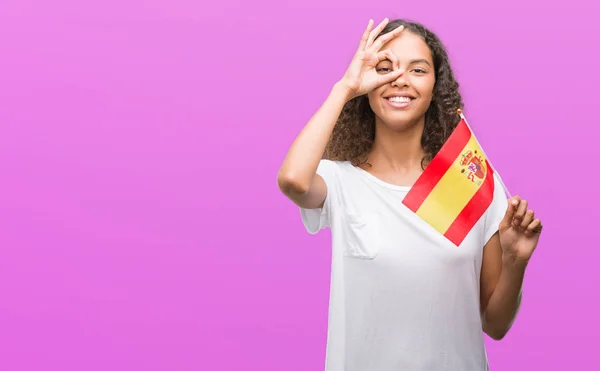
[354,131]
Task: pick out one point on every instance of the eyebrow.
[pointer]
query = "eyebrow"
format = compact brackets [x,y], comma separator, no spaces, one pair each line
[414,61]
[420,61]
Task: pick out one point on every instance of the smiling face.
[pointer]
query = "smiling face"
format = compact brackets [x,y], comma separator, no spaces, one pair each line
[402,103]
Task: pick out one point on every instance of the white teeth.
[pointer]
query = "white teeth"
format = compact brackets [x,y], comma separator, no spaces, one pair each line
[399,99]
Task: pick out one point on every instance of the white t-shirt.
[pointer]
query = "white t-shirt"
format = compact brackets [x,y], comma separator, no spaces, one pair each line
[402,297]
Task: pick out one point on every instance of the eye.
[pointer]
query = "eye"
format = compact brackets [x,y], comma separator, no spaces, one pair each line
[384,69]
[419,70]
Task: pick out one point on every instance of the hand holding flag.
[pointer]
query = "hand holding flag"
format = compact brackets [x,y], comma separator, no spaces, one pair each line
[519,231]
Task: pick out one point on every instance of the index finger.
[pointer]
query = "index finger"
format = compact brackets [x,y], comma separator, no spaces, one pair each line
[387,54]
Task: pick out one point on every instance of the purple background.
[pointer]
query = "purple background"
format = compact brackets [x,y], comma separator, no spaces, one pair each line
[141,227]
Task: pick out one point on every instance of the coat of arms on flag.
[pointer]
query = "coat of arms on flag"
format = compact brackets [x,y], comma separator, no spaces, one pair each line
[456,188]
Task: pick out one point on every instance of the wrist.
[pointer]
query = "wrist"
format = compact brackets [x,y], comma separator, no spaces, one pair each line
[342,90]
[513,263]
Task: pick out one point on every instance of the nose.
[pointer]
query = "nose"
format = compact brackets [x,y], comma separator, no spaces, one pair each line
[401,80]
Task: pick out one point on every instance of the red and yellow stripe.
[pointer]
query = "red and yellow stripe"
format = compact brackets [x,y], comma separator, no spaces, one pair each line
[445,196]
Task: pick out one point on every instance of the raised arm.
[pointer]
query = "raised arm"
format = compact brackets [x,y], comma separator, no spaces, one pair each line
[505,258]
[297,177]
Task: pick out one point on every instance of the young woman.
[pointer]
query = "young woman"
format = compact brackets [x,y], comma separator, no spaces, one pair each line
[402,296]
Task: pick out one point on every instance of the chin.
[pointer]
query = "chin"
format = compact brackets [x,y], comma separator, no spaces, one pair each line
[398,125]
[400,120]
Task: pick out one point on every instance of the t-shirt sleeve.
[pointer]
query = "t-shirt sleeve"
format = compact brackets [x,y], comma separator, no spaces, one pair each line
[315,220]
[497,209]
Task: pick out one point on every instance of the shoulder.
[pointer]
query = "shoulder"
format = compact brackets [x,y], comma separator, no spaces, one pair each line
[500,196]
[497,208]
[333,164]
[319,218]
[329,169]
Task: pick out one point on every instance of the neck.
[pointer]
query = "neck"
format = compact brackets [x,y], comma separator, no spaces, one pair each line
[397,151]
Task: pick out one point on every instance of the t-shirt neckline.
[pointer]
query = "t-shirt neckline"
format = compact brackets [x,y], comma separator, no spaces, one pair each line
[375,179]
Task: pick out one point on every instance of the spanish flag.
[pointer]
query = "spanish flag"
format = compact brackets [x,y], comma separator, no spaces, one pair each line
[456,188]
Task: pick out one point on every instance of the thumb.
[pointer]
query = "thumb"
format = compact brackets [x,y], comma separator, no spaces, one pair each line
[513,203]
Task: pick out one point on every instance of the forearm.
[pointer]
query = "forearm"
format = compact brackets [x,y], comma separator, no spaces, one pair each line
[302,159]
[504,304]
